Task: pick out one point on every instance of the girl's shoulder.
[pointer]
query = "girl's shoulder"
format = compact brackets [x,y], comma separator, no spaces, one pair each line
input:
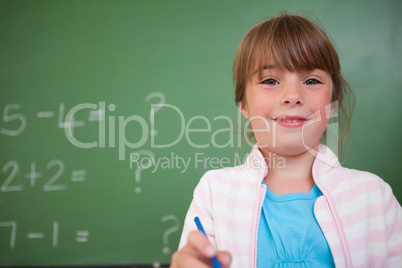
[336,178]
[354,183]
[355,177]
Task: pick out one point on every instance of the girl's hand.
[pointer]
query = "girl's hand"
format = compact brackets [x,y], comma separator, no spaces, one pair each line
[197,253]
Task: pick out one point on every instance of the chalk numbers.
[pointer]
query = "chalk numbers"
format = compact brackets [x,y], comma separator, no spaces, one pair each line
[12,225]
[50,179]
[11,115]
[55,176]
[50,185]
[6,187]
[13,122]
[82,236]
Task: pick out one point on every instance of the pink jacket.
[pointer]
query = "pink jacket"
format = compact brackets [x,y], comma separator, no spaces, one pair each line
[358,213]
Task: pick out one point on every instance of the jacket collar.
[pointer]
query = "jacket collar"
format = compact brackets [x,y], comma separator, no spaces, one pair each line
[256,165]
[324,162]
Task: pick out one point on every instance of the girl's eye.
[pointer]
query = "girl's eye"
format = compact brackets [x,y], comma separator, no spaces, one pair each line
[312,81]
[270,82]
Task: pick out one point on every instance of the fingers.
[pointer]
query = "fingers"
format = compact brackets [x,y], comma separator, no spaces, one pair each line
[195,254]
[184,259]
[225,258]
[200,244]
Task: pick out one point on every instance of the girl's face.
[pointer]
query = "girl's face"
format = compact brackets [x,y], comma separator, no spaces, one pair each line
[288,111]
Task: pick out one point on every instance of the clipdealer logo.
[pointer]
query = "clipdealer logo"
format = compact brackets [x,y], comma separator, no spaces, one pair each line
[120,140]
[186,132]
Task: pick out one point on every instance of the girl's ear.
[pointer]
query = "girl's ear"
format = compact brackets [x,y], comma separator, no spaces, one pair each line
[244,109]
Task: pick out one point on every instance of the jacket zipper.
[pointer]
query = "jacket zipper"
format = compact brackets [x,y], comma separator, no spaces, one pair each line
[260,200]
[337,233]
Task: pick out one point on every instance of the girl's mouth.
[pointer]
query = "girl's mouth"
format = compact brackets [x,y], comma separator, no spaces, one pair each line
[290,121]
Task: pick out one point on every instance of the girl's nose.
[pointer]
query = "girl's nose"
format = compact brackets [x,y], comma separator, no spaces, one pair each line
[292,96]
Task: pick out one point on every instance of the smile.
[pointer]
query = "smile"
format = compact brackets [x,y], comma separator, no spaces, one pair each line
[290,121]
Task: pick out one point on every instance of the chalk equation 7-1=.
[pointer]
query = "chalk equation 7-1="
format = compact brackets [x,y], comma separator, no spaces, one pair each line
[54,171]
[82,236]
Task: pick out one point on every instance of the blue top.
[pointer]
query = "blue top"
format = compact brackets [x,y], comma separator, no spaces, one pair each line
[288,233]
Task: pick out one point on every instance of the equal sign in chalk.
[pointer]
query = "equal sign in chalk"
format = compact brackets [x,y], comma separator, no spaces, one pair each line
[78,175]
[82,236]
[45,114]
[35,235]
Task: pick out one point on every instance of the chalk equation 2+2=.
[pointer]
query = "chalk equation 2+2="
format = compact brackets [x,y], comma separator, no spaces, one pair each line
[54,171]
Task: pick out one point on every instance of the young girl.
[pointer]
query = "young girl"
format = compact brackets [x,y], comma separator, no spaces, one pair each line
[310,211]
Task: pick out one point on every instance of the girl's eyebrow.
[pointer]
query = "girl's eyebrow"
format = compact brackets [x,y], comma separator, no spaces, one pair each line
[271,66]
[265,67]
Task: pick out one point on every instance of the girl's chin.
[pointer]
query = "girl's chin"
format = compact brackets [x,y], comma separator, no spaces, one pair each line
[288,148]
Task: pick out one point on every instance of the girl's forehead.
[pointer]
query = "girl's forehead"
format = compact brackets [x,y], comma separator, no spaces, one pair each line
[269,66]
[290,55]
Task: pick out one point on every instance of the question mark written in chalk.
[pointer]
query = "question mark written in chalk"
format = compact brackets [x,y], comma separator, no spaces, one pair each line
[155,108]
[143,163]
[166,248]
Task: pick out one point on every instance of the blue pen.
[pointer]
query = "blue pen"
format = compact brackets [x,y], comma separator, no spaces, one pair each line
[214,260]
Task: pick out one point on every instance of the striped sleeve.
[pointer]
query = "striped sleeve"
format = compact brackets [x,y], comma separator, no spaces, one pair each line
[200,206]
[393,219]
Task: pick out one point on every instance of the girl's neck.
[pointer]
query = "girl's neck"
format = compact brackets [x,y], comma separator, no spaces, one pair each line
[293,176]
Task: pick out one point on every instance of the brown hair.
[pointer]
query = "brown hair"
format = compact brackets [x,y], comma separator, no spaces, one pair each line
[296,44]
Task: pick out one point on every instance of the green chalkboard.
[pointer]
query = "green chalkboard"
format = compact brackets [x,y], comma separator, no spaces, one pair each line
[100,102]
